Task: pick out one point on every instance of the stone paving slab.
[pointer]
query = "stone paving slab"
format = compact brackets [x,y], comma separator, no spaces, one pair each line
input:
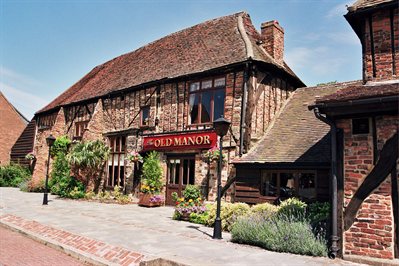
[147,231]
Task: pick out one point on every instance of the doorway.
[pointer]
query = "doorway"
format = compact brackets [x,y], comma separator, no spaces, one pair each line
[180,173]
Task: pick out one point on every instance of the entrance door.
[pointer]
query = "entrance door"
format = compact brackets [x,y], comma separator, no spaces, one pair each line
[181,172]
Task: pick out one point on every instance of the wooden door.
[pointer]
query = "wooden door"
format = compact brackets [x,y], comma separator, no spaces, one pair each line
[181,172]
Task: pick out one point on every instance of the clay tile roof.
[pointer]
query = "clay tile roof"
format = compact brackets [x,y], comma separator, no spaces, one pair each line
[209,45]
[363,4]
[358,92]
[296,135]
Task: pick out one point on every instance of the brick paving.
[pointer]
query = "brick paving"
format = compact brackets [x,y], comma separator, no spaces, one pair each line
[16,249]
[97,250]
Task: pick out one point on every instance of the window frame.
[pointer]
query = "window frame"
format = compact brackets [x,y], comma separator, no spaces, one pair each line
[212,103]
[361,133]
[141,116]
[120,154]
[80,128]
[296,174]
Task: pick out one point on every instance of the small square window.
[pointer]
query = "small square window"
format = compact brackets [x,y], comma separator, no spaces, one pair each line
[145,116]
[360,126]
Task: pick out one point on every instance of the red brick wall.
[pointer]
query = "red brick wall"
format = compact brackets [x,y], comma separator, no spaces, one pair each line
[273,36]
[381,30]
[11,126]
[372,232]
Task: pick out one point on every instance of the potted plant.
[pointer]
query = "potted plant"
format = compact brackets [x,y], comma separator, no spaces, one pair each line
[151,183]
[191,202]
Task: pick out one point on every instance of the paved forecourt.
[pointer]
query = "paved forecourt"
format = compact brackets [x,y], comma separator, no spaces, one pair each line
[108,233]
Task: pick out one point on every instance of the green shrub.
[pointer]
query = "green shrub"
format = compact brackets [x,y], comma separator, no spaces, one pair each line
[278,234]
[77,193]
[264,209]
[293,209]
[151,179]
[191,192]
[199,218]
[229,212]
[60,145]
[319,211]
[319,218]
[90,195]
[13,174]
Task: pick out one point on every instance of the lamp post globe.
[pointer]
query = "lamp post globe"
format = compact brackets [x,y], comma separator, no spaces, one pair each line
[50,141]
[221,127]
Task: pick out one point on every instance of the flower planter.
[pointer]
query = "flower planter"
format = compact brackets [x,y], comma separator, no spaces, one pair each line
[145,201]
[185,216]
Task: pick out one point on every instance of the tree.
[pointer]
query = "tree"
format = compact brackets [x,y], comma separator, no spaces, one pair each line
[87,160]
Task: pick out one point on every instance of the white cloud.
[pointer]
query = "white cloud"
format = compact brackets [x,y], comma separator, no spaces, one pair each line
[344,37]
[26,103]
[320,60]
[21,90]
[10,76]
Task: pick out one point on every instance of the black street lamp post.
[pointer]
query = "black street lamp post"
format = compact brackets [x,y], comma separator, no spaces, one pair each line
[221,127]
[50,141]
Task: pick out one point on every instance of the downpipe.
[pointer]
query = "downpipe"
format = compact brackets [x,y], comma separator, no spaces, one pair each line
[334,215]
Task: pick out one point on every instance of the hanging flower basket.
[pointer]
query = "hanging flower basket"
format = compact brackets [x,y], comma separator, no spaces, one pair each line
[135,157]
[213,154]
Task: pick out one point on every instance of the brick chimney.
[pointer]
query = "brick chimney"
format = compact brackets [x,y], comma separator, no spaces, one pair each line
[273,38]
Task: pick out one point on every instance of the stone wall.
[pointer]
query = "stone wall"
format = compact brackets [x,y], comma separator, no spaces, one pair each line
[372,232]
[41,149]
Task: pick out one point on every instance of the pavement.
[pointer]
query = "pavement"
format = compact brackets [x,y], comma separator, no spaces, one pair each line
[112,234]
[12,243]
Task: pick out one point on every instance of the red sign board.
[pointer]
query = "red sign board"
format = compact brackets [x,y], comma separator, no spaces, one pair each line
[202,140]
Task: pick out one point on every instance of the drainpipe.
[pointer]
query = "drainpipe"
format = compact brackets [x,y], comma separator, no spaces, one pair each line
[334,216]
[243,109]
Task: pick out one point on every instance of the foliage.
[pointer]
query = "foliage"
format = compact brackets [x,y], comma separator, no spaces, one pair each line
[135,157]
[199,218]
[191,202]
[213,154]
[229,213]
[87,161]
[13,174]
[30,156]
[278,234]
[152,174]
[192,192]
[319,211]
[319,218]
[61,182]
[60,145]
[265,209]
[90,195]
[293,209]
[76,193]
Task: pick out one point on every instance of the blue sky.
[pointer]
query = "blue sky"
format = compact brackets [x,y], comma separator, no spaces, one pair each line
[46,46]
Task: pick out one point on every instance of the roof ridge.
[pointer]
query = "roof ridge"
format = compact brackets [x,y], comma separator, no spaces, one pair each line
[244,35]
